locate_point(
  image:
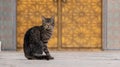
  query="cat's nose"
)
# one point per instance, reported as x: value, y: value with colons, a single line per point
x: 46, y: 26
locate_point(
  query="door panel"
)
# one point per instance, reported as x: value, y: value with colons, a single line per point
x: 81, y: 23
x: 29, y: 14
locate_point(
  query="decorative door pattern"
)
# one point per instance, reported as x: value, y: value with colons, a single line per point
x: 29, y: 14
x: 81, y: 23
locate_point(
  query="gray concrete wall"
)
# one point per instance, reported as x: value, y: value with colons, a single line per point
x: 8, y: 24
x: 111, y: 24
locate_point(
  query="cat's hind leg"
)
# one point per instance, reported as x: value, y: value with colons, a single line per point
x: 28, y: 51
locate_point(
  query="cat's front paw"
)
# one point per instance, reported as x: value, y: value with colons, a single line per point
x: 50, y: 58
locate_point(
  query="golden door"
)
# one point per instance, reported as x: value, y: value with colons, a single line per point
x: 78, y: 22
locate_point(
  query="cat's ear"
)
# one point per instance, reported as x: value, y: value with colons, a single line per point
x: 53, y: 17
x: 52, y: 20
x: 43, y: 18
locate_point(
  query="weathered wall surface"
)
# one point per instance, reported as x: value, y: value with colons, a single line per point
x: 111, y: 24
x: 8, y: 24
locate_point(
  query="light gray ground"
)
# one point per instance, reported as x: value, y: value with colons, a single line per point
x: 63, y: 59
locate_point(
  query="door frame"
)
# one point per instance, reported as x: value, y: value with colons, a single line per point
x: 59, y: 28
x: 104, y: 24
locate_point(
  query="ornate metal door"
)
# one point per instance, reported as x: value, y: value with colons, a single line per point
x: 29, y: 14
x: 78, y: 22
x: 81, y: 23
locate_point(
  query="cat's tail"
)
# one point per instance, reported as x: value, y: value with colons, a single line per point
x: 42, y: 57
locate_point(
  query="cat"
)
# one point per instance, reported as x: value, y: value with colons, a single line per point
x: 36, y: 40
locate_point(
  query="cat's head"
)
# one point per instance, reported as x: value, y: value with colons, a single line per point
x: 48, y: 23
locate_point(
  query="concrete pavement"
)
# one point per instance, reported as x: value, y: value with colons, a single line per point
x: 63, y: 59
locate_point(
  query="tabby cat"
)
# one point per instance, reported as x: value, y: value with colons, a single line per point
x: 36, y: 40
